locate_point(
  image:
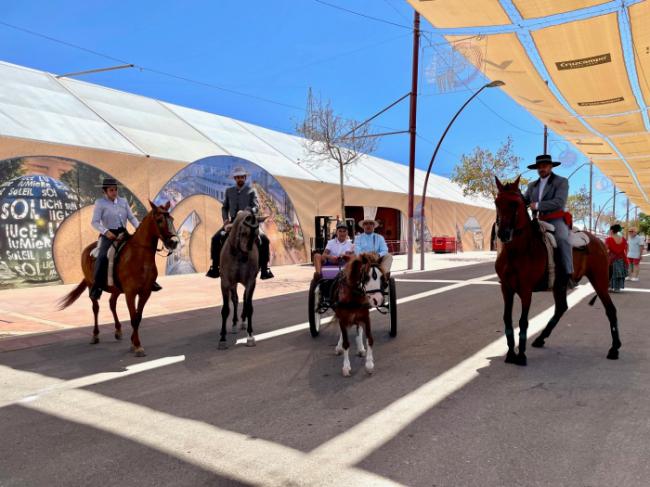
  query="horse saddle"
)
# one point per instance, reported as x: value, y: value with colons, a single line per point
x: 113, y: 256
x: 578, y: 240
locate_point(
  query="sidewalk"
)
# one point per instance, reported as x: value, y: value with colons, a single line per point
x: 29, y: 316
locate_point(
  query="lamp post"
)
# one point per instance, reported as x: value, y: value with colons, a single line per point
x: 492, y: 84
x: 576, y: 169
x: 604, y: 205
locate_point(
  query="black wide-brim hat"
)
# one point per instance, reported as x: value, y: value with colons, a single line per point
x: 109, y: 182
x: 543, y: 159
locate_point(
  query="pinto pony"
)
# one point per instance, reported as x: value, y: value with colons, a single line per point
x: 521, y: 267
x: 359, y: 287
x: 240, y: 264
x: 136, y: 272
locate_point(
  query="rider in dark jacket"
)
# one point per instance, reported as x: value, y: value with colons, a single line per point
x: 237, y: 198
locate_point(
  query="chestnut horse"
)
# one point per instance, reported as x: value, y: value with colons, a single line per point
x: 136, y: 272
x: 521, y: 267
x: 358, y: 287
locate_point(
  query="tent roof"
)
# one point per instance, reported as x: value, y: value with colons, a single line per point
x: 598, y: 79
x: 37, y: 105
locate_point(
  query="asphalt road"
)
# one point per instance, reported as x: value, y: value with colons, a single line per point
x: 441, y: 409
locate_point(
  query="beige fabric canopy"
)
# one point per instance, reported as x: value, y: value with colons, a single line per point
x: 598, y: 73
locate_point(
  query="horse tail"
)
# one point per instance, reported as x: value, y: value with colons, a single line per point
x: 73, y: 295
x: 593, y: 300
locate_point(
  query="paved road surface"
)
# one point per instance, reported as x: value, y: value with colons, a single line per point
x: 441, y: 409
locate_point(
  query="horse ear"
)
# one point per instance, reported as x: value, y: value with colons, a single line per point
x: 153, y: 206
x: 385, y: 263
x: 166, y: 206
x: 499, y: 184
x: 516, y: 183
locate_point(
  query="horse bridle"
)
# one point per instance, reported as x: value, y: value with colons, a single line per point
x: 167, y: 218
x: 517, y: 229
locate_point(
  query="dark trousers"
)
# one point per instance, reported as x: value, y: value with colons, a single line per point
x: 101, y: 264
x: 219, y: 238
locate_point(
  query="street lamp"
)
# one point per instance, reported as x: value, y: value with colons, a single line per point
x: 603, y: 207
x: 492, y: 84
x: 576, y: 169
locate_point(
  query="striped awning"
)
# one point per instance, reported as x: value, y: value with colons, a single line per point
x: 582, y: 67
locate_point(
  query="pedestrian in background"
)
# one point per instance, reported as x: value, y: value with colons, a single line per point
x: 618, y: 264
x: 635, y: 245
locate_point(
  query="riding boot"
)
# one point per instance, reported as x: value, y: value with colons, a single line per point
x: 264, y: 251
x: 156, y: 287
x: 215, y: 253
x: 100, y: 271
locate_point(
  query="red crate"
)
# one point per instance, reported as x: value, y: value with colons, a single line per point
x: 443, y: 245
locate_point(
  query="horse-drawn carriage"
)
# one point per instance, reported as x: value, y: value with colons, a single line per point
x: 320, y: 299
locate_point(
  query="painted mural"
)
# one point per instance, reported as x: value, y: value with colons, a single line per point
x: 472, y: 226
x: 37, y: 194
x: 211, y: 177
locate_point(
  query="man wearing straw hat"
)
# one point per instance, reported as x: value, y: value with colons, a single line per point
x: 369, y: 241
x: 110, y: 215
x: 239, y: 197
x: 548, y: 196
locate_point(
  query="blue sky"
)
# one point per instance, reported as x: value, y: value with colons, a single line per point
x: 275, y: 50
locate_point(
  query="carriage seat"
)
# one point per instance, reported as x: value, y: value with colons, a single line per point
x: 330, y: 271
x: 577, y: 239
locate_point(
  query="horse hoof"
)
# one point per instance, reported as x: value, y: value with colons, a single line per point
x: 538, y: 342
x: 94, y: 340
x: 612, y: 354
x: 361, y: 353
x: 346, y: 371
x: 222, y: 346
x: 242, y: 327
x: 521, y: 360
x: 139, y: 352
x: 250, y: 342
x: 370, y: 368
x: 511, y: 358
x: 118, y: 335
x: 234, y: 330
x: 338, y: 351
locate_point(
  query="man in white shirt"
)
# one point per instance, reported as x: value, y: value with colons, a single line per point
x: 337, y: 250
x: 635, y: 249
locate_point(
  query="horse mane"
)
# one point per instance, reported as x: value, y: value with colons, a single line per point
x: 234, y: 231
x: 352, y: 272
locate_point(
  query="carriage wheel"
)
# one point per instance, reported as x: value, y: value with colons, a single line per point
x: 392, y: 307
x: 314, y: 315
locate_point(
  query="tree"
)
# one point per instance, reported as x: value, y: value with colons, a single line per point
x: 475, y: 172
x: 578, y: 205
x: 330, y: 138
x: 644, y: 224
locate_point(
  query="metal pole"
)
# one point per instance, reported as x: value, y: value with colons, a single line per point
x: 591, y: 194
x: 412, y: 130
x: 614, y: 205
x: 433, y: 158
x: 545, y: 133
x: 91, y: 71
x: 627, y: 214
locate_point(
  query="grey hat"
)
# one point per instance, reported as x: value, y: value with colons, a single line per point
x: 341, y: 224
x: 239, y: 171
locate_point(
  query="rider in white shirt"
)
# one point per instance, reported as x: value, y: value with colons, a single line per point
x: 337, y: 250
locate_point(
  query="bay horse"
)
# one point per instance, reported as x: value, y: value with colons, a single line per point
x: 358, y: 287
x: 521, y: 267
x: 135, y: 272
x: 240, y: 265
